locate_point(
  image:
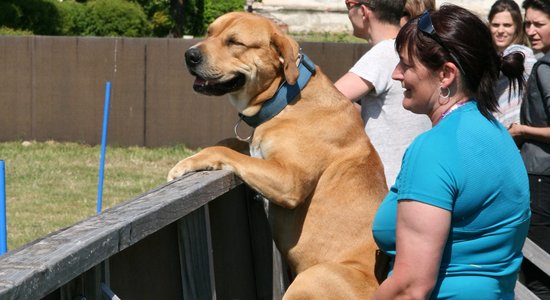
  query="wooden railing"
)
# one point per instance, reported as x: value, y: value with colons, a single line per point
x: 204, y: 236
x: 538, y: 257
x: 199, y: 237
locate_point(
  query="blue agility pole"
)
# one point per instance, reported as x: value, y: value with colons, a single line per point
x: 103, y: 145
x: 3, y: 227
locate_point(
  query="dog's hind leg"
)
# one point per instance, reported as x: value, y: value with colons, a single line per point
x: 330, y: 281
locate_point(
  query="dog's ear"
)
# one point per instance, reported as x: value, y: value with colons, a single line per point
x: 288, y: 49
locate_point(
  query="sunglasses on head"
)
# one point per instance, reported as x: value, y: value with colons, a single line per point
x: 425, y: 25
x: 351, y: 4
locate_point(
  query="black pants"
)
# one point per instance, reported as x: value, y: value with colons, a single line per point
x: 539, y: 232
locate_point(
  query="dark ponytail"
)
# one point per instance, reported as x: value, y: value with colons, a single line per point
x: 512, y: 66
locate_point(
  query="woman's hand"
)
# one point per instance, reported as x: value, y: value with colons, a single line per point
x: 517, y: 132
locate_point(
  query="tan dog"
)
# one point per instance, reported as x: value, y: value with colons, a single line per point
x: 312, y: 160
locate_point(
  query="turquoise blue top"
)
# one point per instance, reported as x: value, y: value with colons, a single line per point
x: 470, y: 166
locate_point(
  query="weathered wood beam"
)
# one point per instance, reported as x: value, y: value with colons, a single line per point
x: 44, y: 265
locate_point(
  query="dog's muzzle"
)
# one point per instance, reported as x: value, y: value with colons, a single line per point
x: 205, y: 82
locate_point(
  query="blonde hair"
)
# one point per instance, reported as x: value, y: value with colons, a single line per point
x: 414, y: 8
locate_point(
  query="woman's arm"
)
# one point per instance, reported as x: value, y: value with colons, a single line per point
x: 353, y: 86
x: 422, y: 231
x: 521, y: 132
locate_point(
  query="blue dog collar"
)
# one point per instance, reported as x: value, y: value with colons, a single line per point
x: 284, y: 95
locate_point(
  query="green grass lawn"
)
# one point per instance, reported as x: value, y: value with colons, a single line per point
x: 53, y: 185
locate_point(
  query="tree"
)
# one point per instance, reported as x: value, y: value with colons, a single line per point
x: 135, y: 18
x: 38, y: 16
x: 176, y: 11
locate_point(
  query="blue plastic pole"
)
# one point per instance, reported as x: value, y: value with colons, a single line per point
x: 103, y: 146
x: 3, y: 227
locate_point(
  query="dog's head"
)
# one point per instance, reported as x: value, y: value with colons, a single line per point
x: 246, y: 56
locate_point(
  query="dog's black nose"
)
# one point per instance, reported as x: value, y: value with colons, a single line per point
x: 193, y: 57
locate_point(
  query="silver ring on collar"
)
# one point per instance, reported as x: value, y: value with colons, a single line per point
x: 236, y: 128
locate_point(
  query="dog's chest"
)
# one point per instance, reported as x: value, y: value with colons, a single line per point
x: 256, y: 151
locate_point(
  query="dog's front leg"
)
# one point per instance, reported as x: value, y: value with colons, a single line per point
x: 286, y: 185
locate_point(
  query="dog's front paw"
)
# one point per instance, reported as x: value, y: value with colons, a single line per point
x: 178, y: 170
x: 207, y: 159
x: 197, y: 162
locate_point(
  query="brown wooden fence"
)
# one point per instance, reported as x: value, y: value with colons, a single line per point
x: 54, y: 87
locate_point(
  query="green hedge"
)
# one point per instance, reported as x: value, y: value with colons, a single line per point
x: 10, y: 31
x: 97, y: 18
x: 200, y: 13
x: 74, y: 17
x: 38, y: 16
x: 105, y: 18
x: 158, y: 15
x: 216, y: 8
x: 132, y: 18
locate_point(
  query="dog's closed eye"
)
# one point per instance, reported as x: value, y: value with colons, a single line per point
x: 233, y: 42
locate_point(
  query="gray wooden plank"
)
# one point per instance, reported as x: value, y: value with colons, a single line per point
x: 40, y: 267
x: 523, y: 293
x: 148, y: 269
x: 281, y: 280
x: 235, y: 277
x: 537, y: 256
x: 196, y: 255
x: 263, y: 250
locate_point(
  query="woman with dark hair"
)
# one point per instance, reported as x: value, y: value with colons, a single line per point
x: 533, y: 138
x: 506, y: 25
x: 456, y: 219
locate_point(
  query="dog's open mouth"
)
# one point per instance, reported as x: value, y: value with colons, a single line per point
x: 217, y: 88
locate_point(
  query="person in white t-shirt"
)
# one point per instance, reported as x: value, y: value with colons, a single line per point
x: 390, y: 127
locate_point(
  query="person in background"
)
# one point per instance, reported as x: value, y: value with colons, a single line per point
x: 455, y: 221
x: 506, y: 25
x: 390, y: 127
x: 533, y: 139
x: 414, y: 8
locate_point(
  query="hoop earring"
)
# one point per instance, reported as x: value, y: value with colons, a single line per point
x: 446, y: 96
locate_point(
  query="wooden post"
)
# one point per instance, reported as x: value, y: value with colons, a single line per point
x: 195, y: 248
